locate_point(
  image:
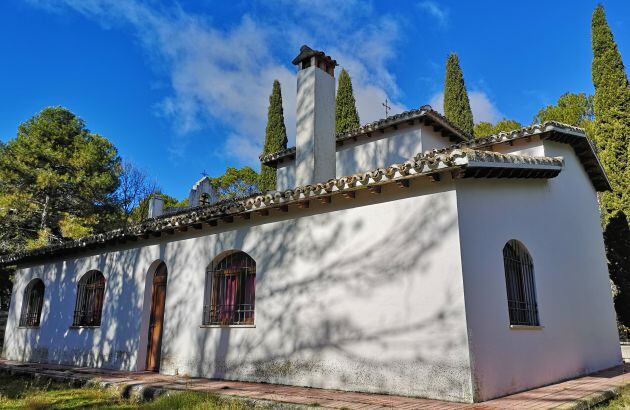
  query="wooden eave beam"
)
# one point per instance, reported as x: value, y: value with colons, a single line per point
x: 324, y: 199
x: 349, y: 194
x: 303, y: 204
x: 403, y: 183
x: 284, y: 208
x: 434, y: 177
x: 375, y: 189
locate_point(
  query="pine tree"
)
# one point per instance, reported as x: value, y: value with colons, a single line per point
x: 275, y: 136
x: 484, y: 129
x: 572, y: 109
x: 58, y: 180
x: 612, y: 115
x: 456, y: 103
x: 346, y: 115
x: 611, y: 131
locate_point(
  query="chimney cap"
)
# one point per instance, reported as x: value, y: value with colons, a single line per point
x: 307, y: 52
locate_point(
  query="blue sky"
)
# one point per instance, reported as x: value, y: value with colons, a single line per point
x: 183, y: 87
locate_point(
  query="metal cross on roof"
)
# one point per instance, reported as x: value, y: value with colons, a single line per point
x: 387, y: 108
x: 204, y: 173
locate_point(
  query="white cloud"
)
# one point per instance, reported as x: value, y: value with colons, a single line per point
x: 482, y: 108
x: 242, y: 148
x: 226, y: 74
x: 434, y: 9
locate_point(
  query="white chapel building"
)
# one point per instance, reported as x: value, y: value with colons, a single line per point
x: 403, y: 257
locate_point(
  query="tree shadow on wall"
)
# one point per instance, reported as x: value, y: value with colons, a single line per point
x: 300, y: 311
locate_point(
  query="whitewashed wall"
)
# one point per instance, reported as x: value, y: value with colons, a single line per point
x: 382, y: 150
x: 366, y: 298
x: 558, y: 221
x: 285, y: 175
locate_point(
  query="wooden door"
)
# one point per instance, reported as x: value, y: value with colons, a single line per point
x: 156, y: 323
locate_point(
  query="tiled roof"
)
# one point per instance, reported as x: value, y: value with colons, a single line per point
x: 424, y: 113
x: 307, y: 52
x: 552, y: 131
x: 463, y: 163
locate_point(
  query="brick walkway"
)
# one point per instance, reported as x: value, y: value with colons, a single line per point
x: 577, y: 393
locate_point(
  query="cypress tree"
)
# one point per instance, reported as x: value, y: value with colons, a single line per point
x: 346, y: 115
x: 275, y: 136
x: 611, y: 131
x: 456, y: 103
x: 611, y: 106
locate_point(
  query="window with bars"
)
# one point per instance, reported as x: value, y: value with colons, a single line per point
x: 32, y: 303
x: 231, y: 287
x: 89, y: 304
x: 519, y: 282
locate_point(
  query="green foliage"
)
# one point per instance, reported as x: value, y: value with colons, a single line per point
x: 456, y: 103
x: 183, y: 202
x: 484, y: 129
x: 617, y: 239
x: 26, y: 393
x: 572, y: 109
x: 57, y: 180
x: 74, y: 227
x: 198, y: 401
x: 346, y: 115
x: 275, y: 136
x: 611, y: 132
x: 141, y: 211
x: 237, y: 183
x: 611, y: 105
x: 506, y: 125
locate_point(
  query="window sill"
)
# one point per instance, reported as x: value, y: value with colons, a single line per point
x: 526, y: 327
x: 84, y: 327
x: 228, y: 326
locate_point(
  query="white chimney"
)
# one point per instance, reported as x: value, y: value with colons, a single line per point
x: 315, y: 120
x: 156, y: 206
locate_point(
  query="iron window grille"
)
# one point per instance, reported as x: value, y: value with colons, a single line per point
x: 89, y: 304
x: 32, y: 303
x: 232, y: 291
x: 519, y: 280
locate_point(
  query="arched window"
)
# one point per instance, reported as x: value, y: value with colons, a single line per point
x: 519, y: 282
x: 32, y: 303
x: 231, y: 287
x: 89, y: 305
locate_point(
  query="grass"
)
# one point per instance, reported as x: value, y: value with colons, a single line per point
x: 621, y: 402
x: 26, y: 393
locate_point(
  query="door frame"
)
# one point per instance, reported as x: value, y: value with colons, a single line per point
x: 158, y: 279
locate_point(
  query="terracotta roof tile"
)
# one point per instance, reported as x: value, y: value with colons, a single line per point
x: 465, y: 162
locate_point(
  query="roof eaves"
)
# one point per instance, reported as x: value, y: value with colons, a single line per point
x: 427, y: 164
x: 551, y: 130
